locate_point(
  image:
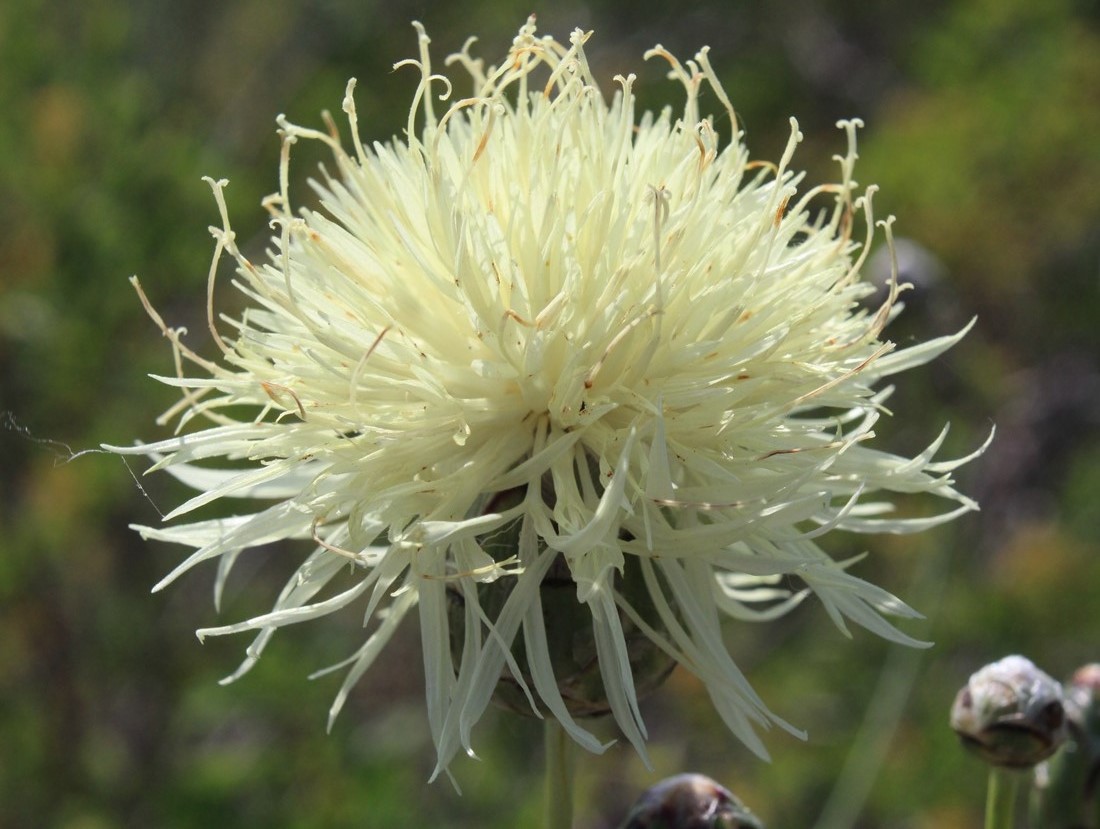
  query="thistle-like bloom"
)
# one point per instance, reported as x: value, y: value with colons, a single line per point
x: 615, y: 341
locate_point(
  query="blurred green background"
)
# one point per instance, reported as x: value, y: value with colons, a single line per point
x: 983, y: 128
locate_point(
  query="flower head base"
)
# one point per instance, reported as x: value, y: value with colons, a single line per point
x: 650, y: 341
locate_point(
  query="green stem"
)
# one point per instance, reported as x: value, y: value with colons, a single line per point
x: 560, y: 765
x: 897, y: 678
x: 1000, y: 801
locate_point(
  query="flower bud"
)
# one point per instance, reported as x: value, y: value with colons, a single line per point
x: 1010, y: 713
x: 690, y: 801
x: 1083, y: 706
x: 1068, y: 790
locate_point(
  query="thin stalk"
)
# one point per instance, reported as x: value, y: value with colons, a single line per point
x: 560, y: 766
x: 1000, y: 800
x: 885, y: 710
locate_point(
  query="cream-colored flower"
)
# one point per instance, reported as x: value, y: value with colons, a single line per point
x: 651, y: 345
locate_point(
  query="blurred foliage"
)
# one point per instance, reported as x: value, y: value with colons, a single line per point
x: 983, y: 118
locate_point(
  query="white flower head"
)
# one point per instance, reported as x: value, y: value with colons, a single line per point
x: 616, y: 339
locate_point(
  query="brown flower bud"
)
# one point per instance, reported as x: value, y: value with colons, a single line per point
x: 1010, y: 713
x: 1069, y: 791
x: 690, y: 801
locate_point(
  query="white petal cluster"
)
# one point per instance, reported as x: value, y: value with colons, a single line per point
x: 658, y: 343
